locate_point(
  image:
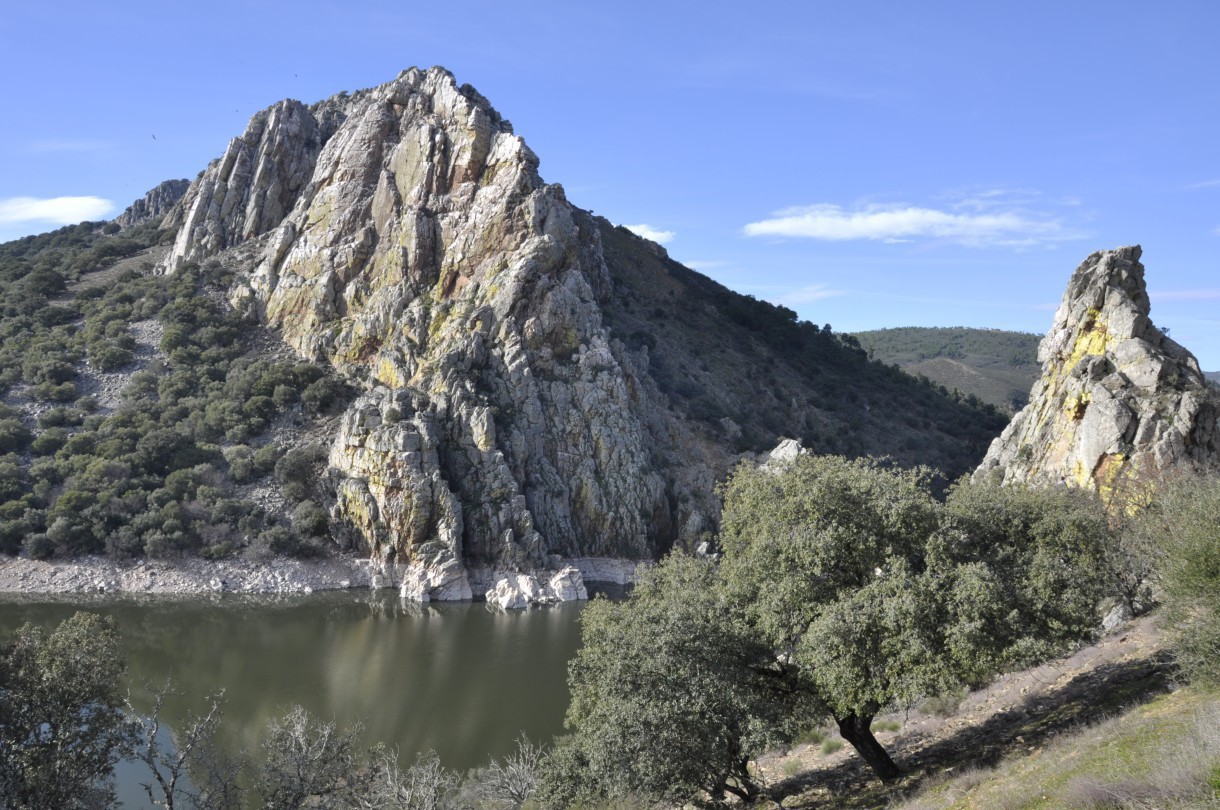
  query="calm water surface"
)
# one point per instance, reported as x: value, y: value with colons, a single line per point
x: 463, y: 680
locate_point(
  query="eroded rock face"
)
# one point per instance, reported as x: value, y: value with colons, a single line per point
x: 252, y: 187
x: 155, y: 204
x: 403, y: 235
x: 411, y: 243
x: 1117, y: 400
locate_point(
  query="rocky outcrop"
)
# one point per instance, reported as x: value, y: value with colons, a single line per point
x: 412, y: 245
x: 403, y: 235
x: 515, y: 591
x: 1118, y: 399
x: 155, y: 204
x: 252, y: 187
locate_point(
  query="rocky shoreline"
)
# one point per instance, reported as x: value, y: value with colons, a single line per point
x: 279, y: 576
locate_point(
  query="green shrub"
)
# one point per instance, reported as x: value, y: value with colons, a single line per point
x: 53, y: 392
x: 1186, y: 518
x: 49, y: 441
x: 266, y: 457
x: 39, y: 547
x: 14, y: 436
x: 310, y: 520
x: 295, y: 471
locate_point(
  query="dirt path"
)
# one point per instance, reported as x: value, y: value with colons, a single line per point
x: 1018, y: 713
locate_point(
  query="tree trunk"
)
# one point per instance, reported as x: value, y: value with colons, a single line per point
x: 856, y: 730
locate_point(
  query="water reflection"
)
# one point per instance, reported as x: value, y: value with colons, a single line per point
x: 461, y: 679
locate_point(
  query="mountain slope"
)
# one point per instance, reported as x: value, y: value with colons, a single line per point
x: 996, y: 366
x: 536, y: 382
x: 532, y: 382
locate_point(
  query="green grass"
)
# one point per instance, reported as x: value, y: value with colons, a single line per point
x: 813, y: 736
x: 1163, y: 754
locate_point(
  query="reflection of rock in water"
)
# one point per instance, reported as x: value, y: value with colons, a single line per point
x: 458, y: 678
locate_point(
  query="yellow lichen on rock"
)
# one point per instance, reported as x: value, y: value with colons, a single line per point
x: 1094, y: 339
x: 1076, y: 405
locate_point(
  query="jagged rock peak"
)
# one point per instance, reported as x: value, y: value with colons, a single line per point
x: 1118, y: 399
x: 403, y: 235
x: 270, y: 168
x: 155, y: 204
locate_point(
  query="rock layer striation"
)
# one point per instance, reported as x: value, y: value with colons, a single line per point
x: 154, y: 205
x: 1118, y: 400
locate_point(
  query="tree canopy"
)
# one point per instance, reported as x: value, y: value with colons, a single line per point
x: 845, y: 589
x: 62, y: 727
x: 671, y: 695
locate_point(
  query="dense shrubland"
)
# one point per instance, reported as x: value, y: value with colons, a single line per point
x: 166, y: 470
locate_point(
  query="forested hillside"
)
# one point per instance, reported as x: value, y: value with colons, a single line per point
x: 996, y: 366
x: 139, y: 411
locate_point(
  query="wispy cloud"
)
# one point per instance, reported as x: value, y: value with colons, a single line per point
x: 808, y: 295
x: 1204, y: 184
x: 1207, y: 294
x: 54, y: 210
x: 977, y: 222
x: 648, y: 232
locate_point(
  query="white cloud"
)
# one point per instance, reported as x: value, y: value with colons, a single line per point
x: 55, y: 210
x: 904, y: 223
x: 648, y: 232
x: 808, y: 295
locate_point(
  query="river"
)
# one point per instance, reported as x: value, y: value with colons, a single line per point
x: 461, y: 679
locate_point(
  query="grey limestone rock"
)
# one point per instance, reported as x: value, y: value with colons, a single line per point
x: 1118, y: 401
x: 155, y: 204
x: 403, y: 235
x: 409, y: 241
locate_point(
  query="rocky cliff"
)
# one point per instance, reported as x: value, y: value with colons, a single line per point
x: 538, y: 383
x: 1117, y: 400
x: 155, y: 204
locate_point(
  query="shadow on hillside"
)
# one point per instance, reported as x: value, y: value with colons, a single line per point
x: 1087, y: 698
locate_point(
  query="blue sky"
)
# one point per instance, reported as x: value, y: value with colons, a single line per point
x: 868, y: 164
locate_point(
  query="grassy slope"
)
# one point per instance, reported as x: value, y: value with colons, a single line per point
x: 1165, y: 753
x: 996, y: 366
x: 1030, y: 734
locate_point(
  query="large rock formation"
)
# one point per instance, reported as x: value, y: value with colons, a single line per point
x: 1118, y: 399
x: 403, y: 235
x: 158, y: 202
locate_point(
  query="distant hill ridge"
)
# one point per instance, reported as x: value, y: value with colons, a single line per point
x: 995, y: 365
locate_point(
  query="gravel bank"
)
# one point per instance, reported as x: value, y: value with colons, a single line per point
x: 196, y: 576
x: 187, y: 576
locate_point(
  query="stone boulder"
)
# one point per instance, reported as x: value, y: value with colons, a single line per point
x: 516, y: 591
